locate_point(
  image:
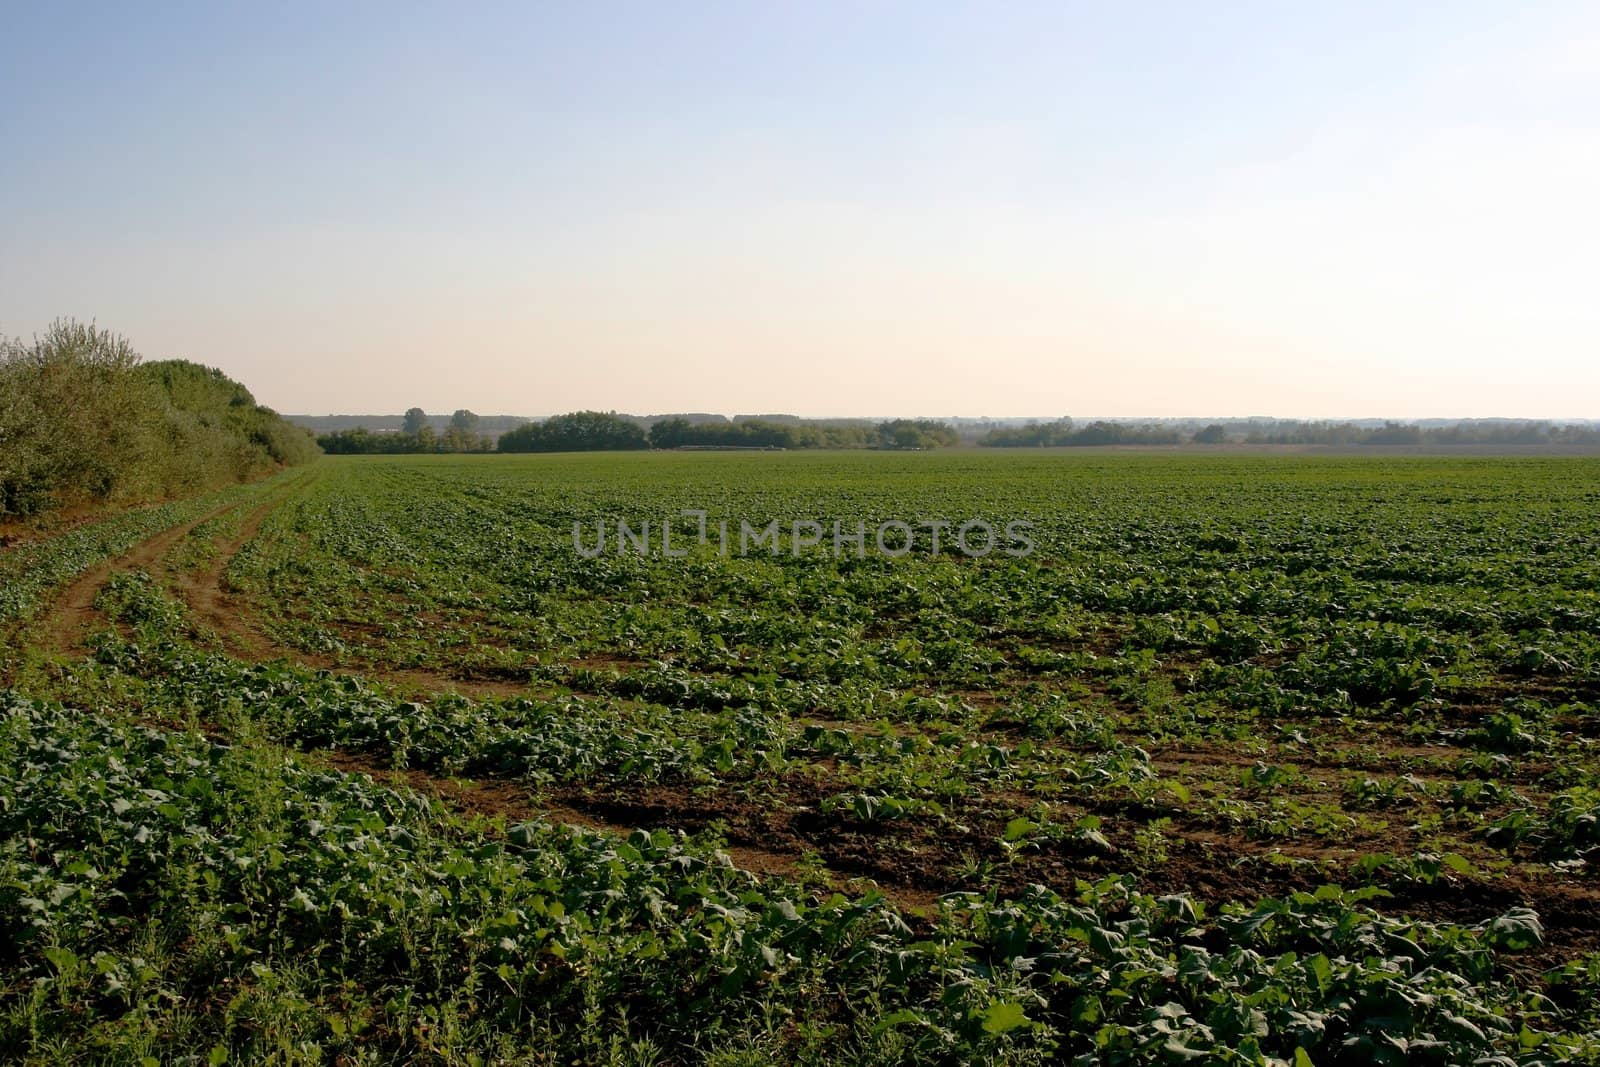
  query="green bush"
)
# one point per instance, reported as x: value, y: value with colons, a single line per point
x: 82, y: 420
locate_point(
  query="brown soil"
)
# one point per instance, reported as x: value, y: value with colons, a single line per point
x: 67, y: 622
x: 914, y: 862
x: 212, y: 606
x: 513, y: 803
x: 220, y: 610
x: 600, y: 662
x: 216, y: 608
x: 917, y: 860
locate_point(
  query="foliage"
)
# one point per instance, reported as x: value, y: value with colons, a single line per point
x: 680, y: 432
x: 82, y: 420
x: 362, y: 442
x: 308, y: 914
x: 915, y: 433
x: 580, y: 431
x: 1063, y: 432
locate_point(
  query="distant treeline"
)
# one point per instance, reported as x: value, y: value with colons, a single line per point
x: 1486, y: 432
x: 761, y: 433
x: 591, y: 431
x: 418, y: 433
x: 83, y: 420
x: 322, y: 425
x: 585, y: 431
x: 600, y: 431
x: 1063, y: 433
x: 580, y: 431
x: 361, y: 441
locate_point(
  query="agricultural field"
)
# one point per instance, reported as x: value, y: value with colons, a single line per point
x: 1251, y: 759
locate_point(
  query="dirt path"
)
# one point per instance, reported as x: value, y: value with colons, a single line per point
x: 67, y: 621
x: 211, y: 606
x: 218, y: 610
x: 215, y: 607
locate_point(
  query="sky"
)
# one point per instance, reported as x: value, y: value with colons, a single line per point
x: 1161, y: 209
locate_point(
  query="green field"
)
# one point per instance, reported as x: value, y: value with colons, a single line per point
x: 1252, y: 759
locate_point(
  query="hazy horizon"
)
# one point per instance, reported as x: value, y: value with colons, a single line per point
x: 445, y: 412
x: 823, y: 210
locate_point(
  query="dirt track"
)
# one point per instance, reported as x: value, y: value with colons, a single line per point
x: 212, y: 607
x: 215, y: 608
x: 67, y: 621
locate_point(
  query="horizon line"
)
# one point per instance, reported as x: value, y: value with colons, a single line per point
x: 443, y: 413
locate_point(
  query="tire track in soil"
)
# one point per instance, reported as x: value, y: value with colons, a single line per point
x: 211, y: 606
x: 67, y: 621
x: 220, y: 611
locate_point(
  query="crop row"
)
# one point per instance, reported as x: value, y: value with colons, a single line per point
x: 169, y: 892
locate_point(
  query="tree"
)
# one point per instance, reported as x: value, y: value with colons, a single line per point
x: 1215, y: 434
x: 675, y: 433
x: 463, y: 421
x: 579, y: 431
x: 917, y: 433
x: 78, y: 420
x: 748, y: 433
x: 416, y: 419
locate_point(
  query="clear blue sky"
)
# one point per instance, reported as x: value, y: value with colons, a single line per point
x: 928, y: 208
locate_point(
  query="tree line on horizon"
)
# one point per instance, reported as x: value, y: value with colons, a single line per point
x: 590, y: 431
x: 418, y: 435
x: 1063, y: 433
x: 85, y: 421
x: 602, y: 431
